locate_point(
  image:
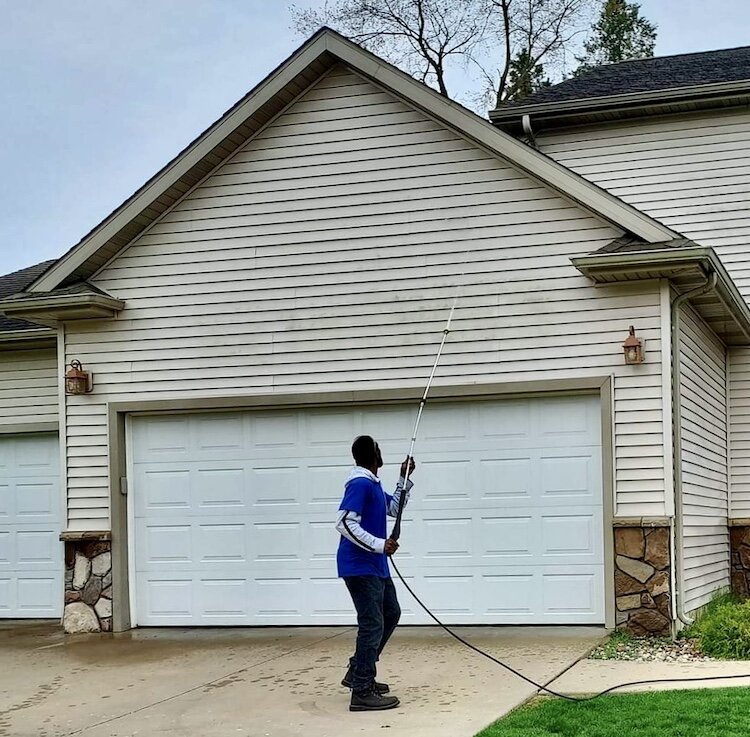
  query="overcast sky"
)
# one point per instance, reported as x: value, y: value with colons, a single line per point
x: 97, y: 95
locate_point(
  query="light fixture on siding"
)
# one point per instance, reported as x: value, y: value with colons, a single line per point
x: 78, y: 381
x: 633, y: 348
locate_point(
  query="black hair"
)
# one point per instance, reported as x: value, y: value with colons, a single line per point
x: 365, y: 452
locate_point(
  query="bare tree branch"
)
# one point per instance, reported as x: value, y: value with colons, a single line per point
x: 426, y: 37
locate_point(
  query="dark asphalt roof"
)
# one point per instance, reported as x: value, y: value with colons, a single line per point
x: 647, y: 75
x: 16, y: 282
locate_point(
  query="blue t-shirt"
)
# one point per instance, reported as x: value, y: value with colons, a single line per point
x: 367, y: 499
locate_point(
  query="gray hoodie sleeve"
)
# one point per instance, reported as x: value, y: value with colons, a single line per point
x: 393, y: 506
x: 348, y: 524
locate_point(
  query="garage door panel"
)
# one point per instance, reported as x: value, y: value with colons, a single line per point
x: 165, y: 490
x: 164, y: 438
x: 512, y: 538
x: 36, y: 501
x: 329, y: 601
x: 504, y: 525
x: 328, y: 429
x: 574, y: 475
x: 570, y: 593
x: 574, y: 537
x: 502, y: 480
x: 323, y: 483
x: 275, y: 486
x: 6, y: 501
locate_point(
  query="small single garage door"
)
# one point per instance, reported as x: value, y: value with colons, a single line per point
x: 233, y: 513
x: 31, y: 554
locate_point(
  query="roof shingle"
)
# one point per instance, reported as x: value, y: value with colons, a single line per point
x: 13, y: 284
x: 647, y: 75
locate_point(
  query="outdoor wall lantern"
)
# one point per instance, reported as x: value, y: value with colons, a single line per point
x: 78, y: 381
x: 633, y: 348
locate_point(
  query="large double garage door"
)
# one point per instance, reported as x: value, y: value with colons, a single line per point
x: 232, y: 514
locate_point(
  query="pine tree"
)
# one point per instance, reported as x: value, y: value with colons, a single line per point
x: 619, y: 34
x: 525, y: 76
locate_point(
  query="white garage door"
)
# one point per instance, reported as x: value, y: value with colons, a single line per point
x: 31, y: 554
x: 233, y: 513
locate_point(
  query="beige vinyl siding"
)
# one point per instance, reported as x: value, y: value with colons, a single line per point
x: 703, y: 402
x: 28, y: 386
x: 692, y: 172
x: 325, y: 256
x: 739, y: 431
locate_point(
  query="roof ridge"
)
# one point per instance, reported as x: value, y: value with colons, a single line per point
x: 671, y: 56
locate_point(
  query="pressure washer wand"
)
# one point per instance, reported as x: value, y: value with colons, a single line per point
x: 396, y: 532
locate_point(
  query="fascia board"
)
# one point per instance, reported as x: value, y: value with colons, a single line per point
x: 536, y: 164
x: 600, y: 104
x: 178, y: 167
x: 12, y: 307
x: 619, y: 261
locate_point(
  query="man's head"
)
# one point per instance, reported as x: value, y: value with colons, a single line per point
x: 366, y: 453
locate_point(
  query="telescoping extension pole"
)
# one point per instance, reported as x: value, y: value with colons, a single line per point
x: 396, y: 532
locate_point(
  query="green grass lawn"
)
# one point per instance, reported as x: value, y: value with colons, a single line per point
x: 706, y: 713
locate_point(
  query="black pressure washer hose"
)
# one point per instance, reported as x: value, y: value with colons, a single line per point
x: 539, y: 686
x: 396, y: 533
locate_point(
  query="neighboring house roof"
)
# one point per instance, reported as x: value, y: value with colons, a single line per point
x: 17, y: 282
x: 701, y: 79
x: 321, y: 52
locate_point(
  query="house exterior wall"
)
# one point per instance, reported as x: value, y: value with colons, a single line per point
x: 239, y: 290
x: 703, y: 400
x: 28, y: 388
x: 691, y: 173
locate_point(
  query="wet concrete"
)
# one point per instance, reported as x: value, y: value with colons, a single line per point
x: 264, y: 682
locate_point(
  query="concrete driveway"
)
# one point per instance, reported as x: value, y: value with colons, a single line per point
x: 264, y: 682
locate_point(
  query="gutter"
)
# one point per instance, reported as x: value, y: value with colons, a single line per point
x: 678, y: 527
x: 17, y: 336
x: 602, y: 104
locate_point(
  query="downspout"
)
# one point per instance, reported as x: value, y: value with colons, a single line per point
x: 528, y: 130
x: 678, y: 536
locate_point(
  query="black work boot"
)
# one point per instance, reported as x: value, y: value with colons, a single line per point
x: 381, y: 688
x: 372, y: 701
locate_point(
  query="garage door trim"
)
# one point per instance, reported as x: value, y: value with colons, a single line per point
x: 120, y: 412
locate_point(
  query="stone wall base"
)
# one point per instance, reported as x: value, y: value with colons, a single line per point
x: 739, y: 540
x: 642, y: 580
x: 88, y: 586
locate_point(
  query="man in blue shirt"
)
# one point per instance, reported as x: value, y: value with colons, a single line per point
x: 362, y: 561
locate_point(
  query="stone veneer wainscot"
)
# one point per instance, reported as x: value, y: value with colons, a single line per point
x: 88, y: 583
x: 643, y: 576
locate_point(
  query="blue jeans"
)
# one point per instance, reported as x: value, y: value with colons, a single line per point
x: 378, y: 613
